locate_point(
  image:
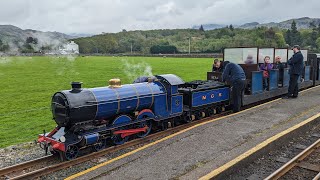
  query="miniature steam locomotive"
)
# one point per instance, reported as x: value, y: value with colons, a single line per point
x: 105, y: 116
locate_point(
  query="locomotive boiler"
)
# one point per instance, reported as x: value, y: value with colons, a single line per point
x: 95, y: 105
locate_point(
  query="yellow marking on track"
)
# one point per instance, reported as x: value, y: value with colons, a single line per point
x: 168, y: 137
x: 231, y: 163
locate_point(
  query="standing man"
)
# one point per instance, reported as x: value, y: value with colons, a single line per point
x: 295, y: 70
x: 217, y: 66
x: 234, y: 75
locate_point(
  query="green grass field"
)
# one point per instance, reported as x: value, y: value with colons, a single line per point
x: 27, y: 84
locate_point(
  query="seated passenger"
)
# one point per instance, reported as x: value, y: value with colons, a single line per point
x: 249, y: 59
x: 217, y: 66
x: 266, y: 67
x: 280, y: 66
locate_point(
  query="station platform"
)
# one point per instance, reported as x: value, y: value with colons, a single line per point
x: 203, y: 148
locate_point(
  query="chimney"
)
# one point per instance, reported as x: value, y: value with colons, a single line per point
x: 76, y: 86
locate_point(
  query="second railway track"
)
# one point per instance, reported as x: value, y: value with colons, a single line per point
x: 301, y: 161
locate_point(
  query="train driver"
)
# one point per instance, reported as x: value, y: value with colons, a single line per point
x: 235, y: 76
x: 217, y: 66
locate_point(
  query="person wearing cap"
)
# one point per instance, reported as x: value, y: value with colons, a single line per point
x: 295, y: 70
x: 234, y: 75
x: 217, y: 66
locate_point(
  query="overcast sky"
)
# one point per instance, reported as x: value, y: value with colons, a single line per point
x: 96, y: 16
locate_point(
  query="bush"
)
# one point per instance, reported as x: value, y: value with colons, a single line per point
x: 163, y: 49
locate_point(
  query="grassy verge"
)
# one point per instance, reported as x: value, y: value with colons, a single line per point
x: 27, y: 84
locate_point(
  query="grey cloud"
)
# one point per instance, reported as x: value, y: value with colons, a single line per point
x: 96, y: 16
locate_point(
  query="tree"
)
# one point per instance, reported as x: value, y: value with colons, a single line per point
x: 313, y: 39
x: 295, y: 34
x: 288, y: 37
x: 280, y: 40
x: 270, y: 33
x: 259, y: 42
x: 312, y: 25
x: 3, y: 46
x: 163, y: 49
x: 31, y: 40
x: 231, y: 27
x: 294, y: 26
x: 318, y: 43
x: 29, y: 46
x: 201, y: 28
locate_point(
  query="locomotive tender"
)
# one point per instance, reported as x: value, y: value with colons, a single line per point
x: 99, y: 117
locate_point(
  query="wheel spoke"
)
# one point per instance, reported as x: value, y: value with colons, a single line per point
x: 101, y: 144
x: 144, y: 124
x: 72, y: 152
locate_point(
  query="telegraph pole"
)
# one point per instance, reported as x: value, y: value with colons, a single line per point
x: 189, y: 44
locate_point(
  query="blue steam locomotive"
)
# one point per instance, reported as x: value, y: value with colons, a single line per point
x: 99, y: 117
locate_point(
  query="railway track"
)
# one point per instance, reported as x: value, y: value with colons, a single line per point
x: 301, y: 162
x: 6, y: 172
x: 39, y: 167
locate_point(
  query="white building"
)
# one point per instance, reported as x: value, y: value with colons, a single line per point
x: 69, y: 48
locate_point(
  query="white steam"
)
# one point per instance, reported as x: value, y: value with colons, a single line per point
x: 5, y: 60
x: 49, y: 41
x: 71, y: 57
x: 134, y: 70
x: 46, y: 40
x: 65, y: 64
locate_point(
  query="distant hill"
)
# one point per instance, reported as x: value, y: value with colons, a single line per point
x: 79, y: 35
x: 247, y: 25
x: 209, y: 26
x: 15, y: 37
x: 302, y: 23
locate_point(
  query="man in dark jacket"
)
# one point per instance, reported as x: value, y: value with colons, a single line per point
x: 217, y: 66
x: 295, y: 70
x: 234, y: 74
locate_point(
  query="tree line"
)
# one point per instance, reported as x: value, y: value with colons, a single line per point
x: 201, y: 41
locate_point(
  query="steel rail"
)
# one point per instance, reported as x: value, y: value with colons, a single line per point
x: 24, y: 165
x: 294, y: 162
x: 317, y: 177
